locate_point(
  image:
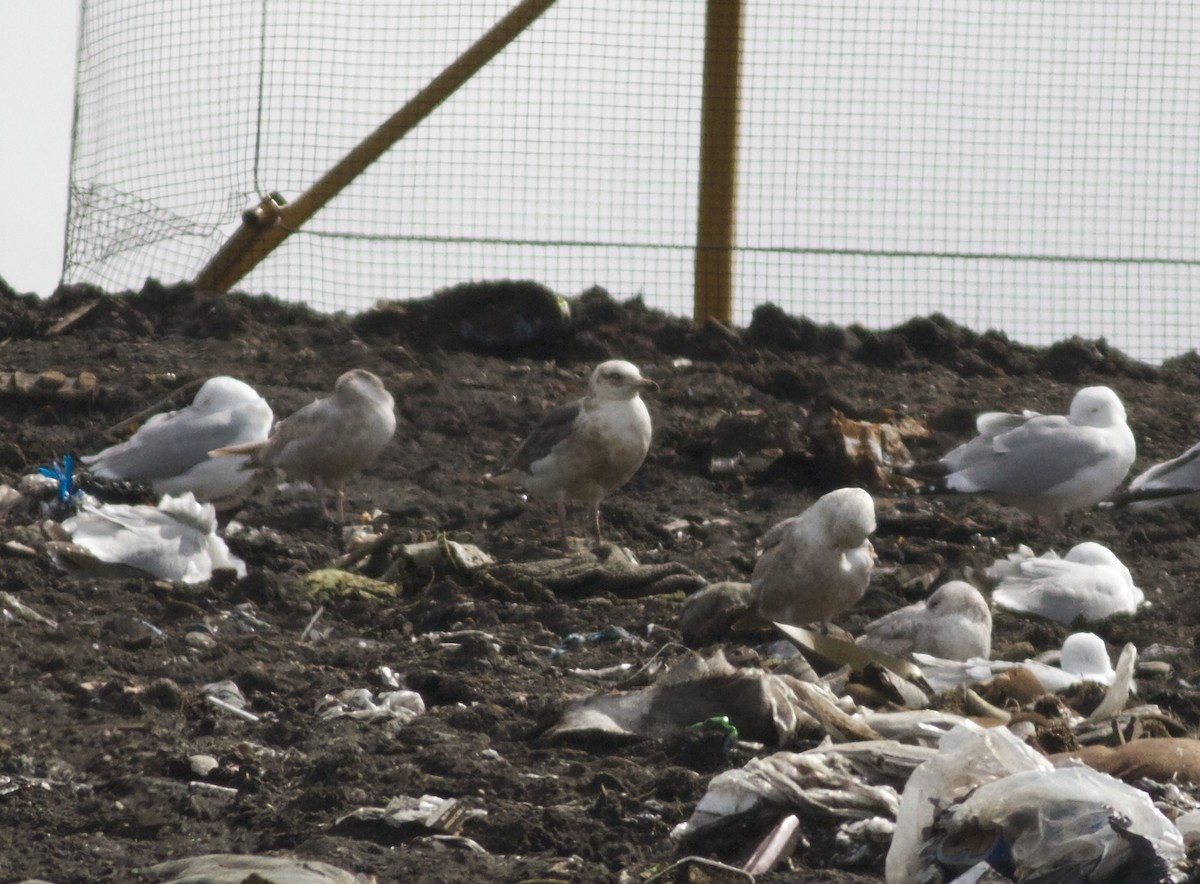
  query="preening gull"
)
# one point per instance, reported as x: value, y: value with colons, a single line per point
x: 330, y: 440
x: 1175, y: 481
x: 815, y: 565
x: 585, y: 450
x: 1045, y: 465
x: 170, y: 451
x: 176, y: 540
x: 954, y: 623
x: 1088, y: 582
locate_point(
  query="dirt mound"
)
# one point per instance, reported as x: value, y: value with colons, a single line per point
x: 100, y: 715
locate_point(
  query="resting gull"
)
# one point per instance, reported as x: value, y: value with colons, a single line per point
x: 1175, y: 481
x: 954, y: 623
x: 170, y: 451
x: 815, y: 565
x: 585, y: 450
x: 330, y: 440
x: 1045, y: 465
x: 1089, y: 582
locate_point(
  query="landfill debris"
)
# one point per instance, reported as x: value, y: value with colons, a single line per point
x: 853, y: 781
x: 987, y: 796
x: 604, y: 568
x: 228, y: 868
x: 396, y: 708
x: 14, y: 608
x: 864, y: 453
x: 1163, y: 759
x: 49, y: 385
x: 176, y: 540
x: 226, y: 695
x: 328, y: 584
x: 708, y: 615
x: 445, y: 815
x: 764, y: 707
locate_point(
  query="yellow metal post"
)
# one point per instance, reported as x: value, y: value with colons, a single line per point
x: 718, y: 161
x: 266, y: 226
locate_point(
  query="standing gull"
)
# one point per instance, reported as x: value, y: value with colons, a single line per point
x: 585, y: 450
x: 330, y: 440
x: 170, y: 451
x: 954, y: 623
x: 815, y: 565
x: 1045, y: 465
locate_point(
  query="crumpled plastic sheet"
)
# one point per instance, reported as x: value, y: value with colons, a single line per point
x: 852, y: 781
x: 988, y: 796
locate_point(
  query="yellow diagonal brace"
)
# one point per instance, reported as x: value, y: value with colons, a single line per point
x: 271, y: 222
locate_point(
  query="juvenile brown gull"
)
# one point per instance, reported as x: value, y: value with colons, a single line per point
x: 586, y: 449
x: 330, y: 440
x: 954, y: 623
x: 815, y: 565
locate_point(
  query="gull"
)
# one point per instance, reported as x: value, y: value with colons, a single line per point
x: 585, y: 450
x: 170, y: 451
x: 1084, y: 657
x: 176, y: 540
x: 1175, y: 481
x: 1089, y: 582
x: 954, y: 623
x: 815, y: 565
x: 329, y: 440
x: 1045, y: 465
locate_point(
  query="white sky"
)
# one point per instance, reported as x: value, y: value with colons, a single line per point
x: 37, y: 68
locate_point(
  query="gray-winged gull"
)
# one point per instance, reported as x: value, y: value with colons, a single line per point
x: 815, y: 565
x: 1088, y: 582
x: 330, y: 440
x: 1045, y: 465
x: 170, y: 451
x: 586, y: 449
x: 1176, y: 481
x: 954, y: 623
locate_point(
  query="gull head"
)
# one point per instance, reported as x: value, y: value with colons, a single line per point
x: 1096, y: 407
x: 848, y: 515
x: 618, y: 379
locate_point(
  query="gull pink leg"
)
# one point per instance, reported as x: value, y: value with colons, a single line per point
x: 595, y: 516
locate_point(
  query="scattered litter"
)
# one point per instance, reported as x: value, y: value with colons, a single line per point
x: 328, y: 584
x: 851, y: 452
x: 176, y: 540
x: 987, y: 796
x: 609, y: 633
x: 228, y: 868
x: 228, y: 696
x: 856, y: 781
x: 445, y: 815
x: 14, y: 608
x: 1162, y: 759
x: 601, y: 569
x: 395, y: 707
x: 699, y: 870
x: 765, y: 708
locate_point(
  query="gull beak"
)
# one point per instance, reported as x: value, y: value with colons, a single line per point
x: 647, y: 384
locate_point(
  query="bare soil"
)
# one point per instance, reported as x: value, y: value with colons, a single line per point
x: 99, y: 716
